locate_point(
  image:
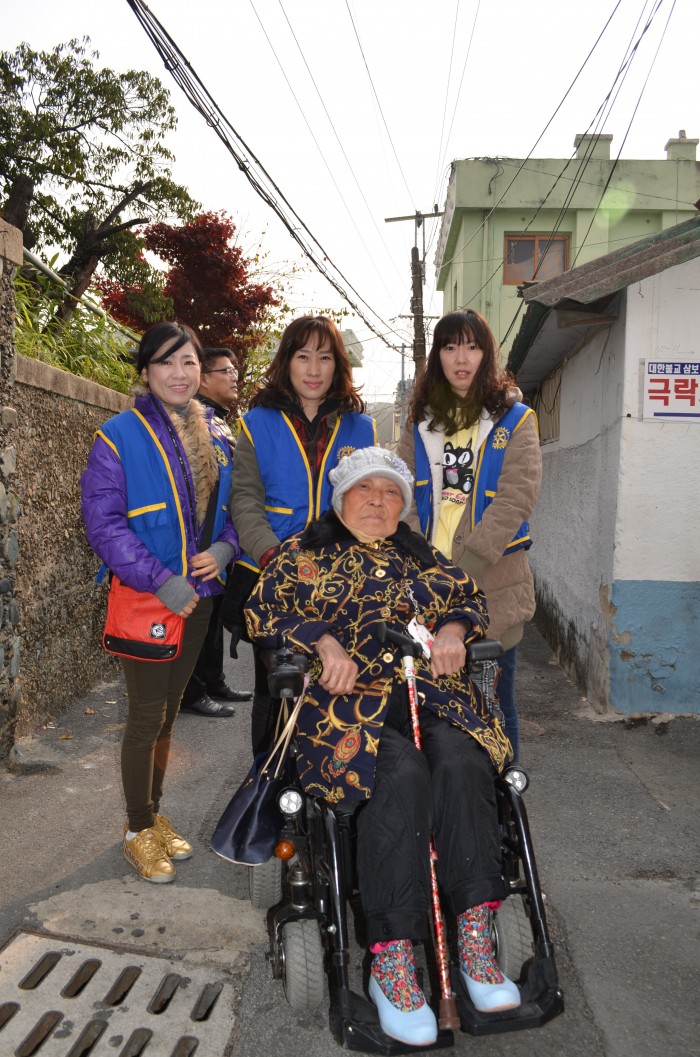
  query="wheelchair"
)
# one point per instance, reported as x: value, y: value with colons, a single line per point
x: 310, y: 882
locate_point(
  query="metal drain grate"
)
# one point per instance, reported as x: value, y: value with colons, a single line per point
x: 65, y: 999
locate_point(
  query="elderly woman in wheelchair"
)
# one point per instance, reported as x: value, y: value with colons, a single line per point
x: 329, y: 591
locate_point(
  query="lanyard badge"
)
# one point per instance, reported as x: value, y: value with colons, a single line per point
x: 420, y: 634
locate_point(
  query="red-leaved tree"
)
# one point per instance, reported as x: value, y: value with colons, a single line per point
x: 207, y: 284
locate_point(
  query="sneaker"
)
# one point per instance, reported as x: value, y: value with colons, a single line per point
x: 488, y: 988
x: 146, y: 853
x: 175, y: 845
x: 402, y: 1009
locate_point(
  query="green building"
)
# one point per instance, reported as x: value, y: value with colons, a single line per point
x: 509, y: 221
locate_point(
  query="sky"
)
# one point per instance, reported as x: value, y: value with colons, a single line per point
x: 356, y: 108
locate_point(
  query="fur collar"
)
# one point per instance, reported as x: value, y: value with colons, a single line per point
x: 329, y: 530
x: 193, y: 431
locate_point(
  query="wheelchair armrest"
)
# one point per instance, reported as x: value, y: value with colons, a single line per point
x: 484, y: 650
x: 285, y: 670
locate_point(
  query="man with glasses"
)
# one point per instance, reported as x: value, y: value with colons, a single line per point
x: 207, y: 693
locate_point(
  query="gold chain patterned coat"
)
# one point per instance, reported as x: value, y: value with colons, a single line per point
x: 325, y: 580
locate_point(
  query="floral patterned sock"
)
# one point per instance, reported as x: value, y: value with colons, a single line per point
x: 475, y: 948
x: 394, y: 969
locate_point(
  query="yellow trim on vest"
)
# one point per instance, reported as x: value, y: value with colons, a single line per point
x: 487, y: 491
x: 279, y: 509
x: 244, y: 429
x: 418, y: 483
x: 479, y: 463
x: 145, y: 509
x: 176, y: 497
x: 527, y: 414
x: 107, y: 441
x: 249, y: 565
x: 519, y: 542
x: 306, y: 464
x: 322, y: 471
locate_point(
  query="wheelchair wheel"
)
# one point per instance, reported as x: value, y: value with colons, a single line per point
x: 511, y: 934
x: 265, y: 883
x: 303, y: 964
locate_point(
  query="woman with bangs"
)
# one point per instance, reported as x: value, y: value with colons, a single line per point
x: 473, y: 448
x: 303, y: 419
x: 155, y: 505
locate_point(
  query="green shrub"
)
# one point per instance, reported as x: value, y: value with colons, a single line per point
x: 89, y: 345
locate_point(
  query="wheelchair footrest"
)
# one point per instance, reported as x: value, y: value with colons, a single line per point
x: 542, y: 1000
x: 359, y: 1030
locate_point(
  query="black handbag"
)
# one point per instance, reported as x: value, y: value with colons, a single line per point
x: 250, y: 827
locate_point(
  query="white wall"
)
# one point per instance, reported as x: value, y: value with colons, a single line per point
x: 659, y: 505
x: 616, y: 550
x: 574, y: 524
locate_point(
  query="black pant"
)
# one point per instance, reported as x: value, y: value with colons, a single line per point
x: 154, y: 691
x: 448, y: 789
x: 208, y: 672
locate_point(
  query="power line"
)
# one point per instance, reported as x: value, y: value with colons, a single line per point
x: 313, y: 136
x: 251, y: 167
x: 634, y: 113
x: 335, y: 133
x: 512, y: 163
x: 600, y: 116
x: 441, y: 158
x: 444, y: 109
x: 522, y: 164
x: 369, y: 75
x: 624, y: 68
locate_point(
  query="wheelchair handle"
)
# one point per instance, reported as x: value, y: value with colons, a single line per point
x: 408, y: 647
x: 477, y: 652
x: 286, y: 669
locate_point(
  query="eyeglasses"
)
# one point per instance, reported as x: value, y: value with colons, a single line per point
x: 230, y: 371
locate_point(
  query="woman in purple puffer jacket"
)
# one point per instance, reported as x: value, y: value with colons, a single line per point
x: 152, y: 474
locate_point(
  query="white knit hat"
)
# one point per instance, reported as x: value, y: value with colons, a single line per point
x: 371, y: 462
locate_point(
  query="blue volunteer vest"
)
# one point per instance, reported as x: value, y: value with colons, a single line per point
x: 154, y: 508
x: 488, y: 469
x: 291, y: 501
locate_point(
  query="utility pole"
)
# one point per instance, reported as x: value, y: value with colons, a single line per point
x: 417, y: 281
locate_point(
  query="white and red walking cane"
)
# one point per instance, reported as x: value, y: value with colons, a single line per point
x: 447, y: 1013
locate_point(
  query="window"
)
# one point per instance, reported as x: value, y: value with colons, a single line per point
x: 523, y: 253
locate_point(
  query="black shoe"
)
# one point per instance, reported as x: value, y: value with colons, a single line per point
x: 204, y: 706
x: 225, y: 693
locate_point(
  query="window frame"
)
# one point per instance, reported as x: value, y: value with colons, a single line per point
x: 536, y: 237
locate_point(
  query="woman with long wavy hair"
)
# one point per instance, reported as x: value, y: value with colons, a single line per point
x: 474, y: 450
x: 303, y: 419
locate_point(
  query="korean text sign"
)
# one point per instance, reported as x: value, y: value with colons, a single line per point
x: 672, y: 390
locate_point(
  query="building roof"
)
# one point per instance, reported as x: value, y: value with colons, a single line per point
x: 561, y: 311
x: 353, y: 347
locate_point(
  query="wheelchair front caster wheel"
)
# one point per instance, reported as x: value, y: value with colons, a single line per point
x: 302, y: 964
x: 265, y: 884
x: 511, y: 934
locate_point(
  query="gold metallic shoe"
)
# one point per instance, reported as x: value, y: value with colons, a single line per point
x: 175, y: 845
x: 146, y: 853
